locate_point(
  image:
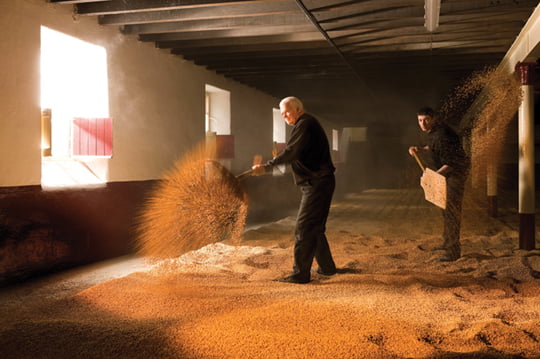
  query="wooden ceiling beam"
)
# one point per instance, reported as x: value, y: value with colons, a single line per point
x: 286, y: 36
x: 276, y: 52
x: 440, y: 60
x: 294, y: 70
x: 130, y: 6
x: 383, y: 13
x: 374, y: 25
x: 427, y: 38
x: 307, y: 39
x: 263, y: 64
x: 245, y: 23
x: 279, y: 7
x: 322, y: 6
x: 291, y: 74
x: 229, y: 33
x: 272, y: 55
x: 503, y: 43
x: 74, y: 1
x: 467, y: 6
x: 438, y: 55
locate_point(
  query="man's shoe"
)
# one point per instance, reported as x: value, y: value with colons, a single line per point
x: 328, y: 274
x: 293, y: 279
x: 448, y: 258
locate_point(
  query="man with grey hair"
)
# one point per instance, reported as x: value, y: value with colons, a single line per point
x: 308, y: 153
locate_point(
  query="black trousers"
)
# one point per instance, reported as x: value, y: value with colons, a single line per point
x: 310, y: 238
x: 455, y: 188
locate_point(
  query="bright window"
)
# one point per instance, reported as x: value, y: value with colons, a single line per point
x: 279, y: 139
x: 335, y: 140
x: 75, y: 99
x: 219, y: 140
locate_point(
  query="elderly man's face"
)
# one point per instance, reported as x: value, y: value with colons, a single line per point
x: 426, y: 122
x: 290, y: 115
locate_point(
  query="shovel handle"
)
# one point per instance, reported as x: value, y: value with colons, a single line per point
x: 418, y: 161
x: 244, y: 175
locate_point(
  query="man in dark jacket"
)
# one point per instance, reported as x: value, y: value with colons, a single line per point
x: 308, y: 153
x: 452, y: 162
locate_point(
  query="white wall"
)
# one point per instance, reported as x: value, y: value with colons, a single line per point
x: 156, y: 99
x: 20, y: 156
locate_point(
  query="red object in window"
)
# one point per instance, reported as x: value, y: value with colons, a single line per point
x: 92, y: 137
x: 224, y: 146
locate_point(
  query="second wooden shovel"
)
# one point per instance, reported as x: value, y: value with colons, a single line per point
x: 433, y: 184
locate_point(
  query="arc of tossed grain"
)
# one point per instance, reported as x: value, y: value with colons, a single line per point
x: 190, y: 208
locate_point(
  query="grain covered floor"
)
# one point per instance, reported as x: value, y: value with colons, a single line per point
x: 391, y: 299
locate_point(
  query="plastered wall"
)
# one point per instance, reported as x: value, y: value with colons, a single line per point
x: 156, y: 99
x: 19, y: 89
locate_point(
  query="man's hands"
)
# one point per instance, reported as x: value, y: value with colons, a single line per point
x: 258, y: 170
x: 413, y: 150
x: 417, y: 150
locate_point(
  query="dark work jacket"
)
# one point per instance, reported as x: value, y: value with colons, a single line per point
x: 307, y: 151
x: 447, y: 149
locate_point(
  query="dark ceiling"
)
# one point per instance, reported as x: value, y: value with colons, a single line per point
x: 312, y: 48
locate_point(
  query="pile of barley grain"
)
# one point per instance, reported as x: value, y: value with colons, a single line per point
x: 198, y: 202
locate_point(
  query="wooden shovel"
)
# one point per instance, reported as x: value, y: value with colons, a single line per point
x: 434, y: 185
x: 257, y: 160
x: 244, y: 175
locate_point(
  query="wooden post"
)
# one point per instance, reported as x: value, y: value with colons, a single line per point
x: 526, y: 157
x: 492, y: 174
x: 46, y: 132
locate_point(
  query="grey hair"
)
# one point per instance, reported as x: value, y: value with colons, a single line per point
x: 295, y: 103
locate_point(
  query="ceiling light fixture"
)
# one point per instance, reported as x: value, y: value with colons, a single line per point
x: 432, y: 8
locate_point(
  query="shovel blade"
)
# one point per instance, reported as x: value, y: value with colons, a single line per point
x: 434, y: 185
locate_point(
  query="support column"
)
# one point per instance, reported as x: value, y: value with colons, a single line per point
x: 526, y: 158
x: 492, y: 174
